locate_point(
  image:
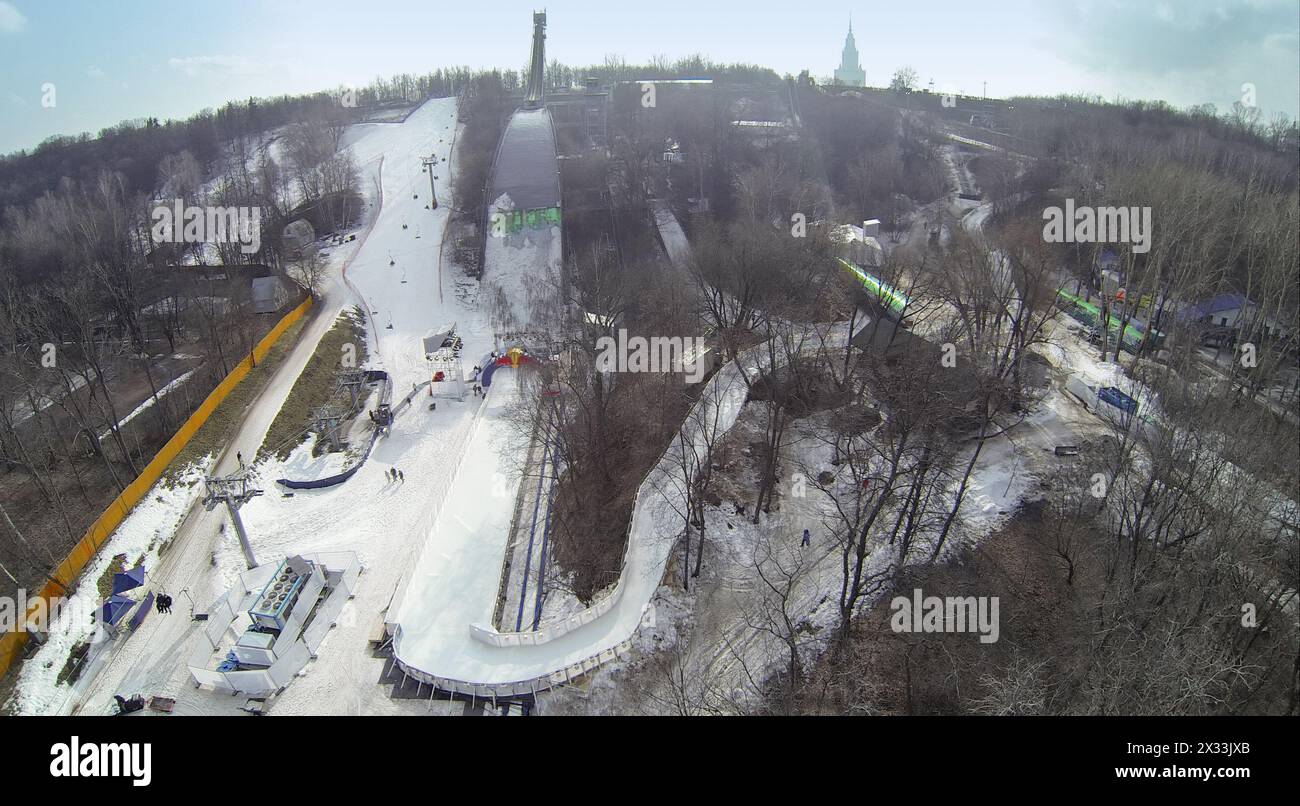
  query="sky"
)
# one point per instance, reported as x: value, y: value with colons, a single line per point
x: 72, y: 66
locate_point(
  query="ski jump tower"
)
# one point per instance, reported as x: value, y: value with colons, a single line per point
x: 536, y: 97
x: 522, y: 225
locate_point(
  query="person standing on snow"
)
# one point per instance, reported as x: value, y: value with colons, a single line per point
x: 807, y: 538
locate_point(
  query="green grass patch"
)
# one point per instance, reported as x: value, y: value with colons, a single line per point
x: 317, y: 384
x: 104, y: 585
x: 72, y: 666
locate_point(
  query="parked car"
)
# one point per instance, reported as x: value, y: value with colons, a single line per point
x: 1118, y: 399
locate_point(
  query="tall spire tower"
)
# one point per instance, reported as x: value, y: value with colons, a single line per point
x: 850, y: 72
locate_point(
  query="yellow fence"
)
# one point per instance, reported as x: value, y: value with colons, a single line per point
x: 11, y: 643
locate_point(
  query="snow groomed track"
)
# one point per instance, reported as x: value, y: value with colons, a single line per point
x: 524, y: 572
x: 440, y: 638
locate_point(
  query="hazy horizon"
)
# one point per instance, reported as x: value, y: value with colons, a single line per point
x: 111, y: 63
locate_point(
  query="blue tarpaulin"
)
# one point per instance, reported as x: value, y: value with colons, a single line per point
x: 128, y: 580
x: 145, y: 607
x: 111, y: 611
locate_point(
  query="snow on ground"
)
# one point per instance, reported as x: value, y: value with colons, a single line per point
x: 521, y: 272
x: 385, y: 522
x: 670, y: 232
x: 434, y: 635
x: 453, y: 537
x: 301, y: 464
x: 141, y: 536
x: 525, y: 588
x: 455, y: 582
x: 1074, y: 355
x: 379, y: 520
x: 718, y: 637
x: 143, y: 407
x: 22, y: 410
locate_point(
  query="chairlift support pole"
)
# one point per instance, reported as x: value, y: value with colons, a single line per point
x: 429, y: 163
x: 234, y: 491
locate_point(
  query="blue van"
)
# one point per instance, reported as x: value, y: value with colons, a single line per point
x: 1118, y: 399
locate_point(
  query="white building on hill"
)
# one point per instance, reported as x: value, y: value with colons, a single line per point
x: 850, y: 72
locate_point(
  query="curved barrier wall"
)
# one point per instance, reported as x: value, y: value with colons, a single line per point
x: 733, y: 380
x: 371, y: 376
x: 11, y: 643
x: 337, y: 478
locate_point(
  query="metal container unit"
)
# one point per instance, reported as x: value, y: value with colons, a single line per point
x: 255, y: 648
x: 278, y: 597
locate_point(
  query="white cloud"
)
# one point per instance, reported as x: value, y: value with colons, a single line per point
x: 215, y: 65
x: 1198, y: 53
x: 11, y: 19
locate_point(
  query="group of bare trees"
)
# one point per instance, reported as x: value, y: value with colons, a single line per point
x: 92, y: 305
x: 1176, y: 569
x: 1172, y: 543
x: 1168, y: 546
x: 879, y: 161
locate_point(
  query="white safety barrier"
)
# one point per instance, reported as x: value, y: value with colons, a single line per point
x: 728, y: 390
x: 294, y: 648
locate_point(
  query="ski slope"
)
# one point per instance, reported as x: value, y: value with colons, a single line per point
x: 383, y: 522
x: 431, y: 546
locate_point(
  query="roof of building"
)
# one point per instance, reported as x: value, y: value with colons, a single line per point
x: 1223, y: 302
x: 265, y: 288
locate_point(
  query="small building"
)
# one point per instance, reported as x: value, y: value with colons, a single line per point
x: 1225, y: 310
x: 298, y: 235
x: 271, y: 622
x: 269, y: 294
x: 860, y: 244
x: 1234, y: 312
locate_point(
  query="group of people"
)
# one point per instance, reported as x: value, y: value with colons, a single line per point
x: 474, y: 387
x: 163, y: 603
x: 396, y: 475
